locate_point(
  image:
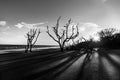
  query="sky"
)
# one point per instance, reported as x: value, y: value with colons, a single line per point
x: 17, y: 17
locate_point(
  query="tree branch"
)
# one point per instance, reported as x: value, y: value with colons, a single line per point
x: 51, y: 35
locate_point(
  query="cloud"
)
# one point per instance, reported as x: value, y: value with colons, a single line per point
x: 89, y: 29
x: 19, y: 25
x: 3, y: 23
x: 82, y: 29
x: 90, y: 25
x: 27, y: 25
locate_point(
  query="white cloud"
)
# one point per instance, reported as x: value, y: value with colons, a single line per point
x: 82, y: 29
x: 90, y: 25
x: 27, y: 25
x: 89, y: 29
x: 3, y: 23
x: 19, y: 25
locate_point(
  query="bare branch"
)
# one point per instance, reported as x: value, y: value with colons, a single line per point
x: 32, y: 37
x: 36, y: 37
x: 51, y: 35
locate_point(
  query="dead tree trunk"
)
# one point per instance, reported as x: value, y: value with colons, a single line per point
x: 32, y: 37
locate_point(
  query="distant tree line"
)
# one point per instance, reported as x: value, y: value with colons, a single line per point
x: 109, y: 39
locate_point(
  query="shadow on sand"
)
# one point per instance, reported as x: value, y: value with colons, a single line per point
x: 108, y: 68
x: 87, y: 59
x: 52, y: 73
x: 31, y: 67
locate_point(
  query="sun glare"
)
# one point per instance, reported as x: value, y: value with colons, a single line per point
x: 96, y: 38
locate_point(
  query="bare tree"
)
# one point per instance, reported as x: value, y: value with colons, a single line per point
x: 32, y: 37
x: 63, y: 36
x: 106, y: 37
x: 106, y: 32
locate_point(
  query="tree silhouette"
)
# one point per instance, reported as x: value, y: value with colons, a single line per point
x: 114, y: 42
x: 106, y: 37
x: 63, y: 36
x: 106, y: 32
x: 32, y: 37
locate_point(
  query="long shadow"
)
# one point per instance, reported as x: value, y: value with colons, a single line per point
x: 87, y: 59
x: 50, y: 74
x: 21, y: 69
x: 60, y: 70
x: 103, y: 75
x: 30, y: 59
x: 18, y: 55
x: 45, y: 74
x: 114, y: 63
x: 106, y: 55
x: 78, y: 56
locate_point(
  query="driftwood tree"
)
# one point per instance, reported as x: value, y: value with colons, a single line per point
x: 32, y: 37
x: 63, y: 35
